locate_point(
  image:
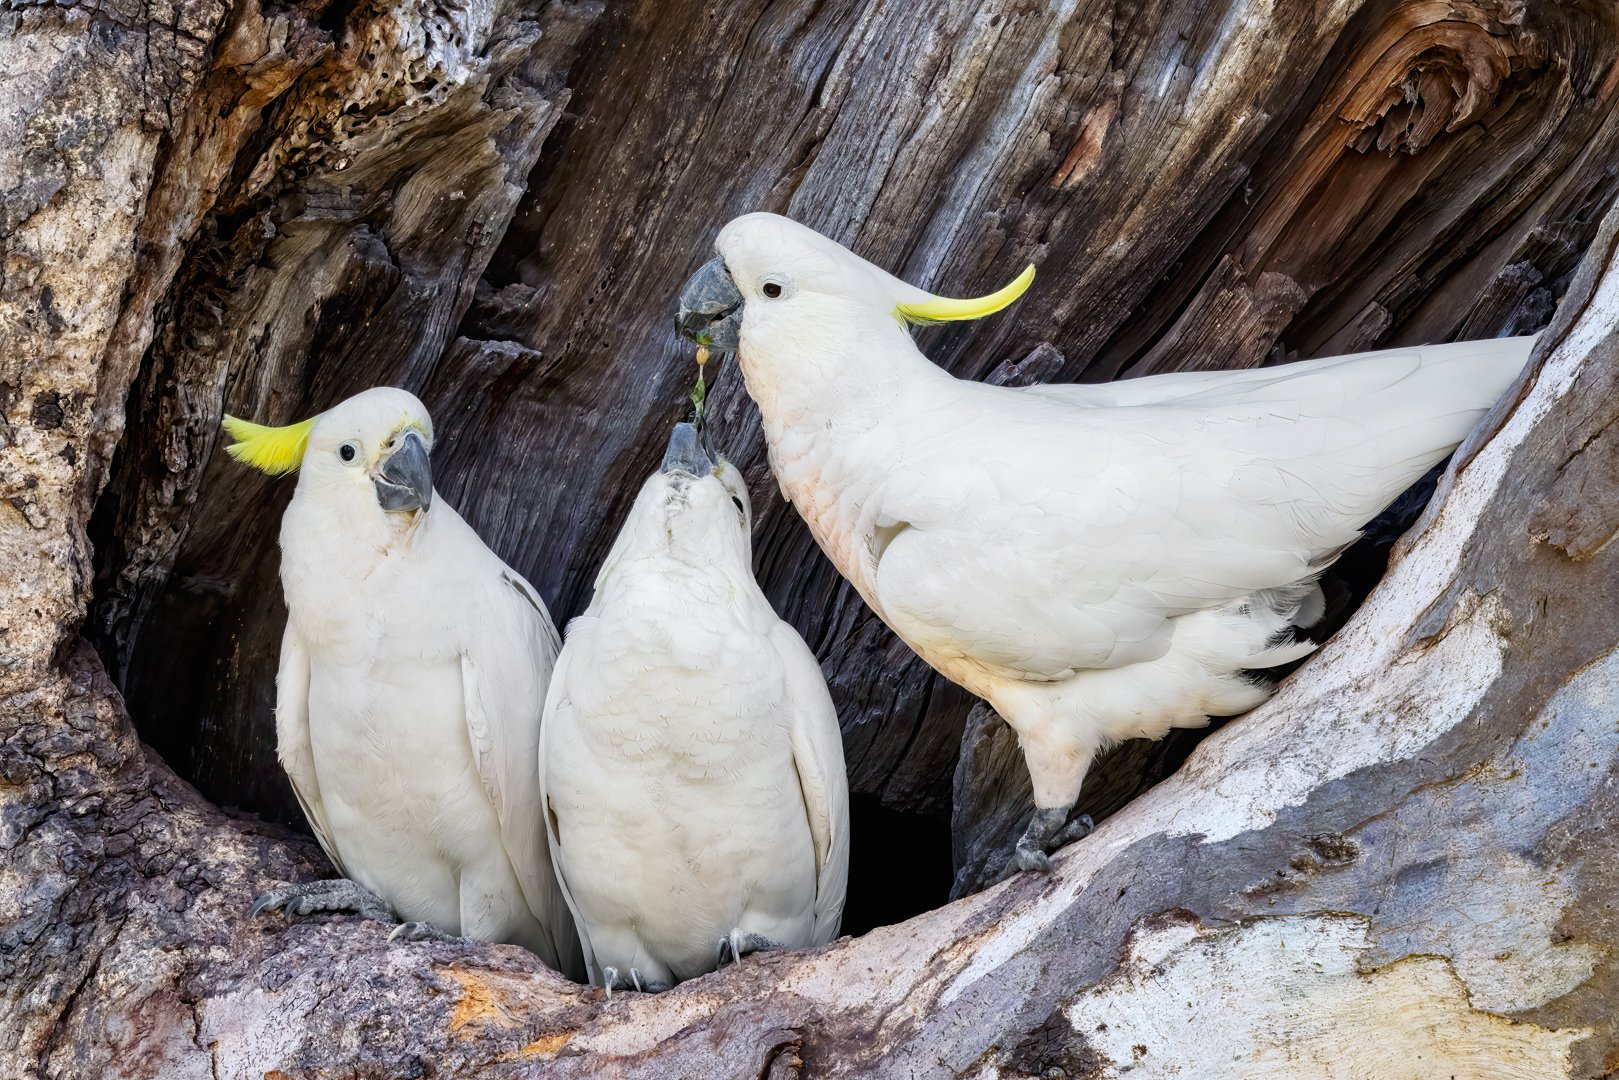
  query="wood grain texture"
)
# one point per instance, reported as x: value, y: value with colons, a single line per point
x: 1201, y: 184
x: 262, y: 208
x: 1416, y: 837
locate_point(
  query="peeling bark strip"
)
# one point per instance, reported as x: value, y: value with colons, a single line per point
x: 267, y: 207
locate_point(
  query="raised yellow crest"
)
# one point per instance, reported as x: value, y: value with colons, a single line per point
x: 275, y: 450
x: 944, y: 309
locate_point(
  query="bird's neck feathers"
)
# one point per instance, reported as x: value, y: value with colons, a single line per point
x: 334, y: 541
x: 639, y: 581
x: 843, y: 373
x: 837, y: 413
x: 668, y: 544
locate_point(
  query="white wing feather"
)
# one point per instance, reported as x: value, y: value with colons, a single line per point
x: 505, y: 692
x: 558, y: 723
x: 1038, y: 538
x: 292, y: 738
x: 818, y: 755
x: 1490, y: 358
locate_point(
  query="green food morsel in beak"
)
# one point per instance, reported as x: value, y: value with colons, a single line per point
x: 405, y: 481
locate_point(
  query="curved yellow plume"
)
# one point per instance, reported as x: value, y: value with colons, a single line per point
x: 275, y: 450
x: 943, y: 309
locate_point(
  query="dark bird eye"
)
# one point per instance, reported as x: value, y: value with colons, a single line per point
x: 346, y: 451
x: 772, y: 290
x: 738, y: 504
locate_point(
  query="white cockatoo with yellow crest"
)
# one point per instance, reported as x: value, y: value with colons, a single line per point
x: 413, y: 673
x: 1099, y: 562
x: 691, y: 759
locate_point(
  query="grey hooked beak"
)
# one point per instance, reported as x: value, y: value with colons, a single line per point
x: 405, y: 481
x: 711, y: 308
x: 687, y: 452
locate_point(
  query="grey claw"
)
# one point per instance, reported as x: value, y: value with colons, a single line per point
x: 738, y: 944
x: 612, y: 980
x: 1024, y: 859
x: 1048, y: 830
x: 1078, y: 829
x: 416, y: 930
x: 1031, y: 859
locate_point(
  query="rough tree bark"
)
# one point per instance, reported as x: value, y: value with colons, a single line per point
x: 207, y: 205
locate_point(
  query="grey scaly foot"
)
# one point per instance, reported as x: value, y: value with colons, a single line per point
x: 1048, y: 830
x: 612, y: 980
x: 419, y: 931
x: 647, y: 986
x: 335, y: 895
x: 738, y: 944
x: 1077, y: 829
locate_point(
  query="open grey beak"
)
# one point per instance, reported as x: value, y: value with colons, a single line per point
x: 711, y: 308
x: 687, y: 452
x: 405, y: 481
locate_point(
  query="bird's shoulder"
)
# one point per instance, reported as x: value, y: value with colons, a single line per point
x: 461, y: 570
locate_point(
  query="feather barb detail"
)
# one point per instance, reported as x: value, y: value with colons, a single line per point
x: 274, y: 450
x: 944, y: 309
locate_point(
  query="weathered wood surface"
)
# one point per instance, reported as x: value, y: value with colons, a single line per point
x: 1417, y: 837
x: 1201, y: 183
x: 262, y: 208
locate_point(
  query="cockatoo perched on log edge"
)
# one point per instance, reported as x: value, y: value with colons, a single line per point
x: 413, y: 674
x: 1100, y: 562
x: 691, y: 759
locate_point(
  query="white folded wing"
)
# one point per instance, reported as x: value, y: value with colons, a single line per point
x: 505, y: 698
x: 818, y: 755
x: 292, y: 738
x: 1060, y: 527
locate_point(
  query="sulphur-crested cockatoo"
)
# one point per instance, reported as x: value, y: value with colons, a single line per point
x: 413, y: 673
x: 691, y: 760
x: 1099, y: 562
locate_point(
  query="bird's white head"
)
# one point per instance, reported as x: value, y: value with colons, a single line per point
x: 775, y: 279
x: 366, y: 458
x: 694, y: 510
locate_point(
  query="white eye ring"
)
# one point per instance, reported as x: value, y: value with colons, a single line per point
x: 775, y: 288
x: 349, y: 452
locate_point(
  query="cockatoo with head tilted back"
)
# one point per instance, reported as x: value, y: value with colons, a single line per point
x: 1098, y: 562
x: 413, y: 674
x: 691, y: 757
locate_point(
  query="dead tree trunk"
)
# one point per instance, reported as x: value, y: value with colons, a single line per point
x: 260, y: 208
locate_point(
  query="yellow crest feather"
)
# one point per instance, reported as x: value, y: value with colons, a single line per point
x: 275, y: 450
x: 944, y: 309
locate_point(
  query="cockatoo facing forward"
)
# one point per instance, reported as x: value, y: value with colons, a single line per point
x: 413, y: 673
x: 691, y: 758
x: 1100, y: 562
